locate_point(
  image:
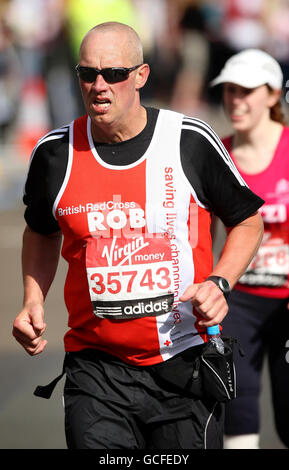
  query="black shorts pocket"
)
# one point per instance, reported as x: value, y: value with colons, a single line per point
x: 179, y: 372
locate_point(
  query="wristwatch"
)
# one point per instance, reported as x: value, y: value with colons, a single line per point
x: 222, y: 283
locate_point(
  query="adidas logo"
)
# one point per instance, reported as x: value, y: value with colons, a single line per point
x: 151, y: 307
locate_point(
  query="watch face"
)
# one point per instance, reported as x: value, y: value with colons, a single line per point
x: 224, y: 285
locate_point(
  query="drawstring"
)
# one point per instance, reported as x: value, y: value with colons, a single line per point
x: 45, y: 391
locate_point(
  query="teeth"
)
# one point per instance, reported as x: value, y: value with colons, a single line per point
x: 102, y: 104
x: 238, y: 112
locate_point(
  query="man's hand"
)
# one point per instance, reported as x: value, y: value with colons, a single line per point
x: 209, y: 302
x: 29, y: 327
x: 40, y: 254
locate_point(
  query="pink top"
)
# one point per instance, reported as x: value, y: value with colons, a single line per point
x: 268, y: 273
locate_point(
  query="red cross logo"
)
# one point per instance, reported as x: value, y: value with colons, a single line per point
x: 167, y: 343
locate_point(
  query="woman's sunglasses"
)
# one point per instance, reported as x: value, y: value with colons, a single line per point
x: 110, y: 74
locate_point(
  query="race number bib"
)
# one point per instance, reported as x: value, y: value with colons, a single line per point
x: 270, y: 267
x: 130, y: 277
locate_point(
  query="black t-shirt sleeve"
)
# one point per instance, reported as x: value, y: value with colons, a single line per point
x: 213, y: 175
x: 45, y: 176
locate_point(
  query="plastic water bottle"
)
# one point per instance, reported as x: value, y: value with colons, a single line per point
x: 214, y: 337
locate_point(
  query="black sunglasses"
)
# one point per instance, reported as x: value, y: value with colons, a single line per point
x: 110, y: 74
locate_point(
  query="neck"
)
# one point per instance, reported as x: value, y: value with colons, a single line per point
x: 120, y: 130
x: 255, y: 150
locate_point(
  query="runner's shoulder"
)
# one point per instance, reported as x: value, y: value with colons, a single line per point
x: 201, y: 146
x: 198, y: 131
x: 54, y: 142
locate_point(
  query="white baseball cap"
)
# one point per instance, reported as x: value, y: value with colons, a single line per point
x: 251, y: 68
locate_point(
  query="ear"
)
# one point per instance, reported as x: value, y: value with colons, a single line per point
x: 274, y: 97
x: 142, y: 75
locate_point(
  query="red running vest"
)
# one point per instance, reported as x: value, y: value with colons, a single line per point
x: 135, y: 237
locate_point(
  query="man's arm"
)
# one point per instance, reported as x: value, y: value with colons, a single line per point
x: 241, y: 245
x: 40, y: 255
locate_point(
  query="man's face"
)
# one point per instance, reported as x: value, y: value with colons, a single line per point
x: 109, y: 105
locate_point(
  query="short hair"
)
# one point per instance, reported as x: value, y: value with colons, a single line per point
x: 132, y: 38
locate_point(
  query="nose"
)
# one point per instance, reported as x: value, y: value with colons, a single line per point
x: 237, y: 97
x: 99, y: 84
x: 240, y: 94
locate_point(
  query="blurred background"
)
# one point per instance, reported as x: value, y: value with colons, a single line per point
x: 186, y: 43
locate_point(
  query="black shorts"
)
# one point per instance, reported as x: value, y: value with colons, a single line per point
x: 112, y: 405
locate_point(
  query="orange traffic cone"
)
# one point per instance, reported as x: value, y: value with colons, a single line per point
x: 33, y: 116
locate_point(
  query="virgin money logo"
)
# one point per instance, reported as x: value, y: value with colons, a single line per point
x: 119, y: 255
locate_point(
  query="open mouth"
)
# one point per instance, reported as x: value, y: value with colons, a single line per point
x: 238, y: 113
x: 101, y: 104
